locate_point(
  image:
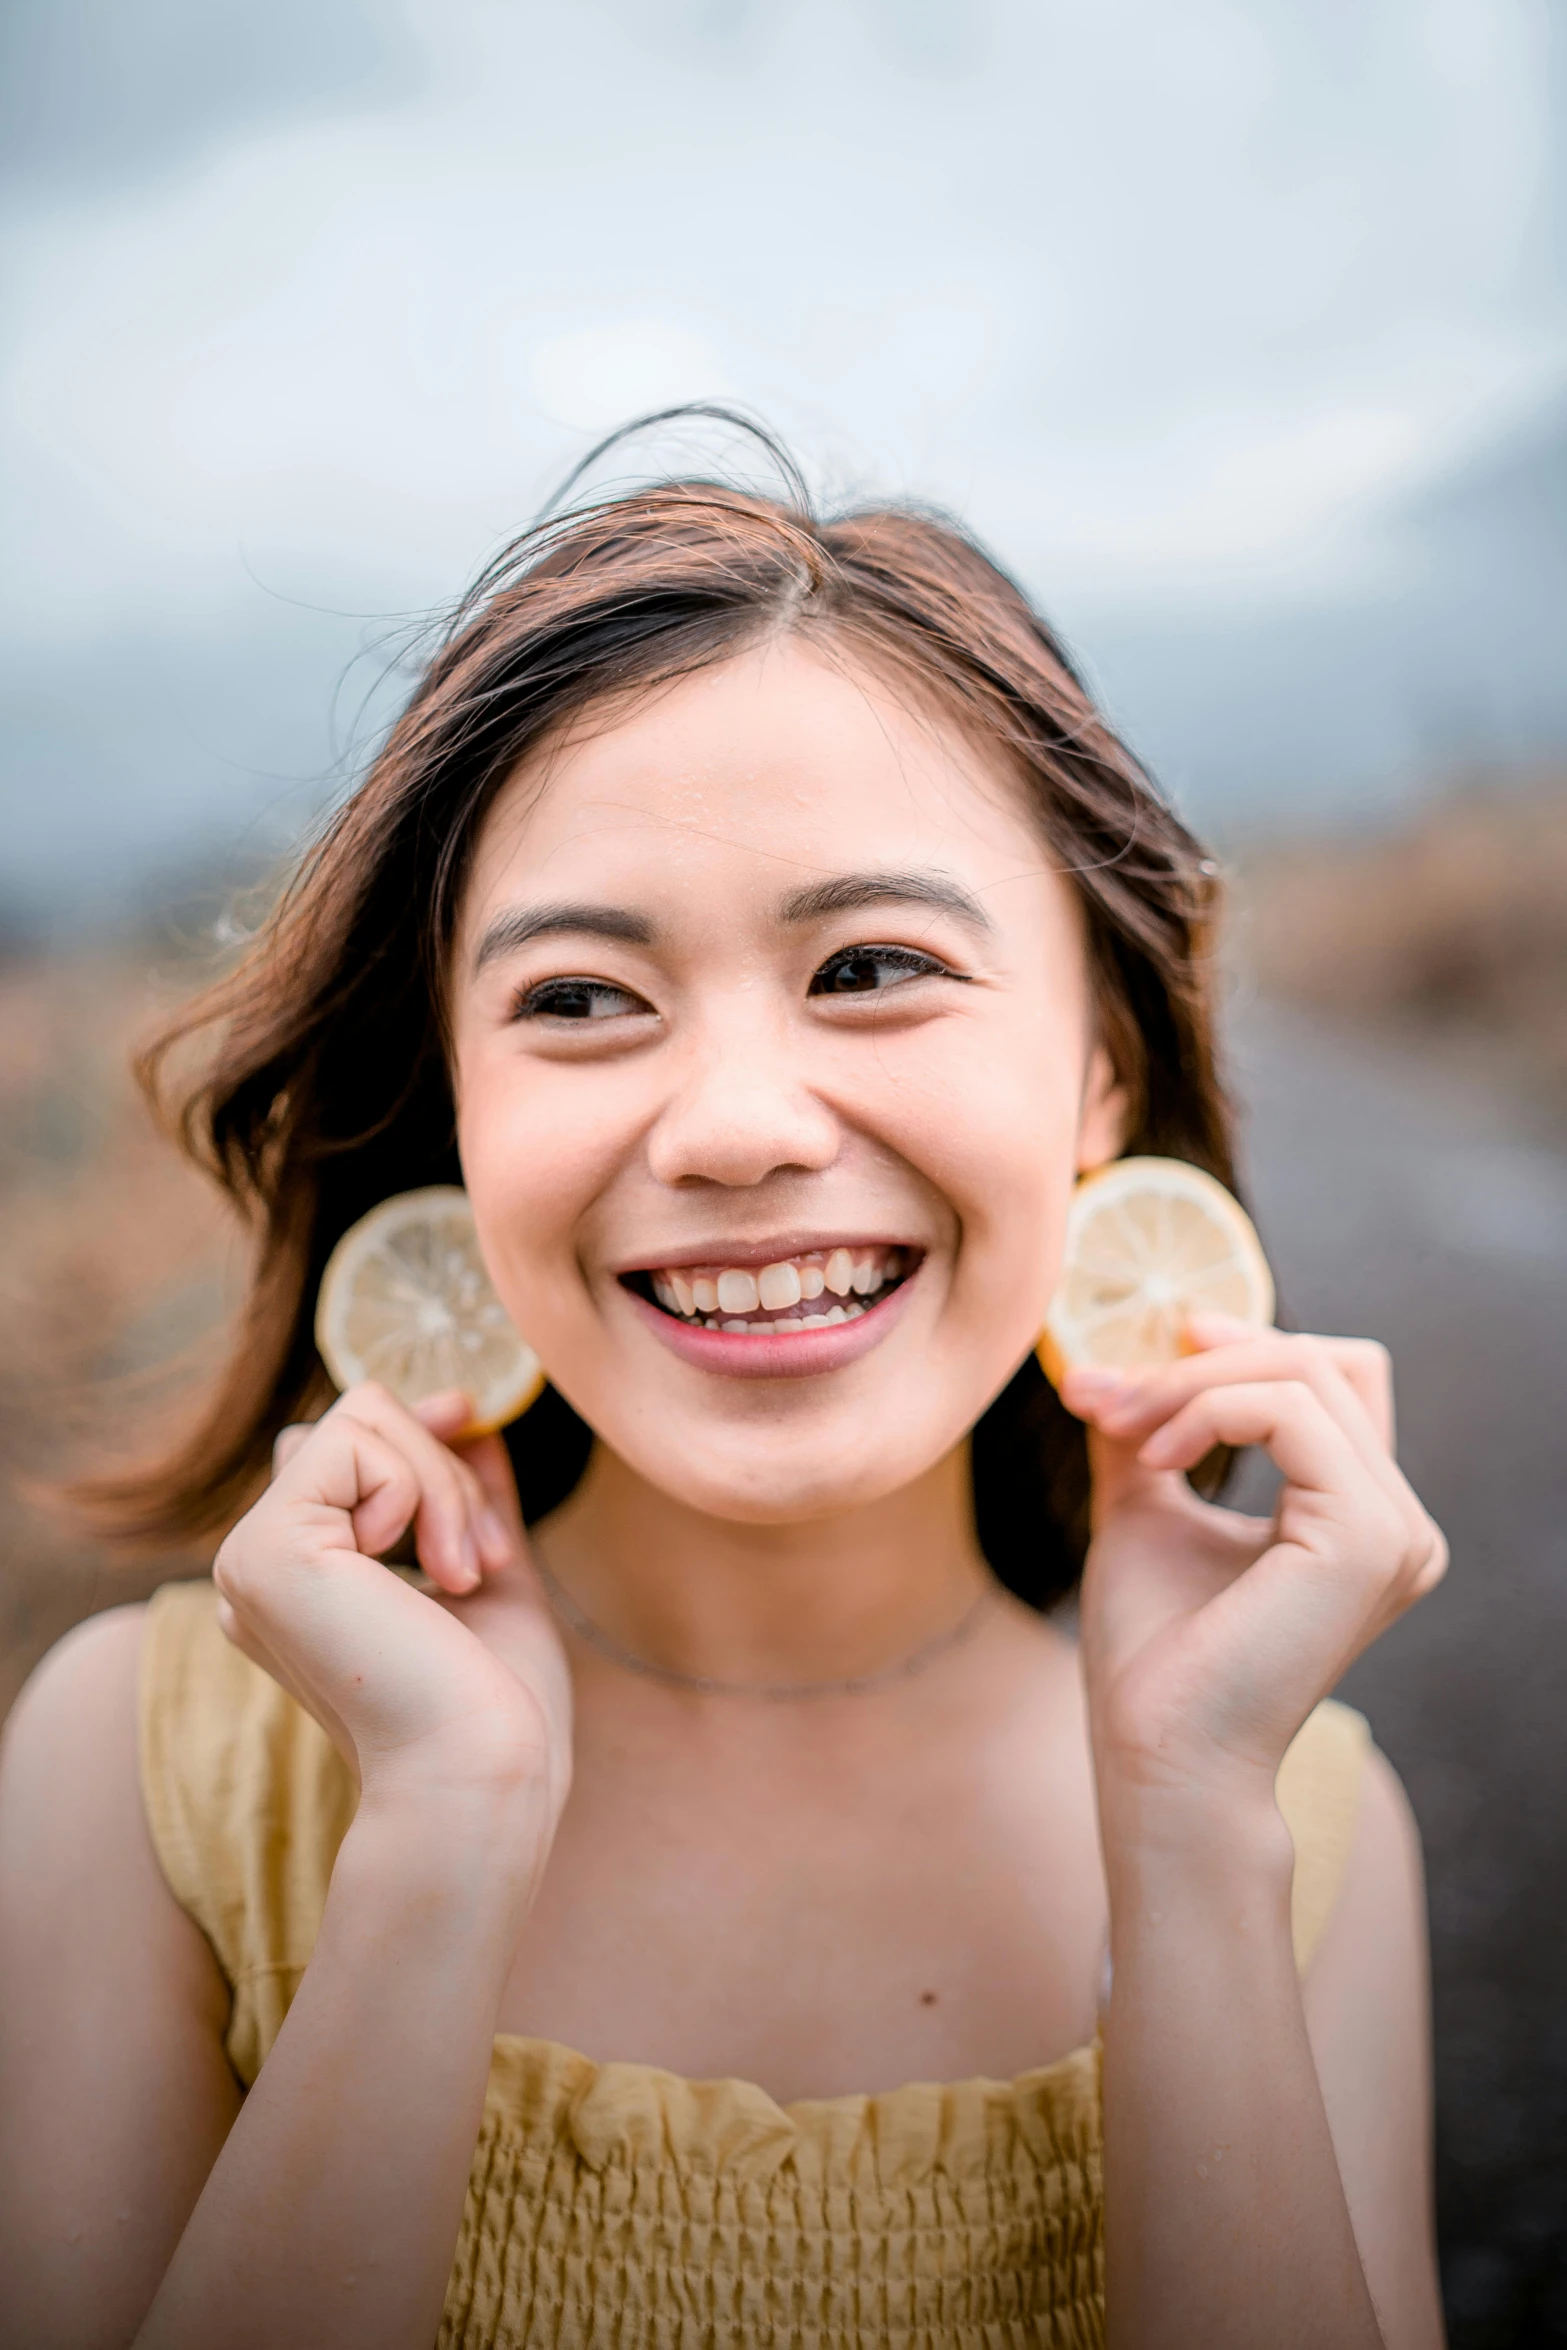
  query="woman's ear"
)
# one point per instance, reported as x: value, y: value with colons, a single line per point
x: 1105, y: 1115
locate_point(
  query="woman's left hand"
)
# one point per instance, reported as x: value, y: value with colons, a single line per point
x: 1208, y: 1636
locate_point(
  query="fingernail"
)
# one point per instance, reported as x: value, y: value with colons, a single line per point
x: 1218, y: 1326
x: 494, y: 1535
x: 1097, y: 1386
x: 444, y: 1406
x: 468, y: 1559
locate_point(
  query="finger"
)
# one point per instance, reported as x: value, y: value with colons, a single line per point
x: 431, y: 1489
x: 349, y: 1467
x: 1120, y: 1479
x: 1132, y: 1409
x: 495, y: 1526
x: 288, y: 1441
x: 1137, y: 1407
x: 1351, y: 1380
x: 1433, y: 1564
x: 453, y: 1503
x: 1368, y: 1367
x: 1363, y: 1363
x: 445, y: 1415
x: 499, y: 1525
x: 1285, y: 1416
x: 497, y: 1519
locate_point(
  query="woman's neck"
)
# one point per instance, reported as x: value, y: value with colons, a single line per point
x: 827, y: 1599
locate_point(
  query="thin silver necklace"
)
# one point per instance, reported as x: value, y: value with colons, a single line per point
x: 775, y: 1692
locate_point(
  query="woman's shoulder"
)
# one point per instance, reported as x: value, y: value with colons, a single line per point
x: 74, y: 1849
x: 1321, y: 1787
x: 1359, y: 1895
x: 70, y: 1739
x: 75, y: 1709
x: 89, y: 1744
x: 147, y: 1758
x: 1379, y: 1903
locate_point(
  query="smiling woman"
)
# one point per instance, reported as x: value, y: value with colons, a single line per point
x: 682, y: 1916
x: 904, y: 632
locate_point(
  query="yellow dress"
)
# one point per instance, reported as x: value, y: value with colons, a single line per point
x: 619, y: 2206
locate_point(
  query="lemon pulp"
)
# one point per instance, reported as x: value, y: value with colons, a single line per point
x: 1149, y: 1243
x: 406, y: 1300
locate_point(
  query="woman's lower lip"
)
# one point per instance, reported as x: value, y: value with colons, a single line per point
x: 796, y: 1354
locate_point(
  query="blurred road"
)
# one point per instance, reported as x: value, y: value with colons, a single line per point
x: 1402, y: 1199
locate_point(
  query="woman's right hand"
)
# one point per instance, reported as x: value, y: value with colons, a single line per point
x: 425, y: 1695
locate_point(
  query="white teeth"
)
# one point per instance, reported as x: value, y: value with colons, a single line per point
x: 838, y: 1272
x: 779, y: 1285
x: 724, y: 1300
x: 737, y: 1325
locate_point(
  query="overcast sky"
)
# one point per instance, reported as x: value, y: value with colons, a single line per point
x: 308, y: 304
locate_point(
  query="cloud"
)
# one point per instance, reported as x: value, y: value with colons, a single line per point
x: 95, y: 92
x: 591, y: 378
x: 1168, y: 303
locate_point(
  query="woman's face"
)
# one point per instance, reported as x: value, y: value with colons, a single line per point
x: 775, y: 1065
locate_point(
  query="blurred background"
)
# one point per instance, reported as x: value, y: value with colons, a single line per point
x: 1237, y: 329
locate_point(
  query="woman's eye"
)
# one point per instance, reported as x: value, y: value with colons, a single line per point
x: 577, y: 999
x: 870, y: 970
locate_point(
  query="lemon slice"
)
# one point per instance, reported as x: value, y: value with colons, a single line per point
x: 1149, y: 1242
x: 406, y: 1299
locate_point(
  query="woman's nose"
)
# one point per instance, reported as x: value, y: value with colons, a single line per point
x: 742, y: 1114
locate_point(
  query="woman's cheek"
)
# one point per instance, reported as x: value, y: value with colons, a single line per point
x: 528, y: 1180
x: 1007, y: 1166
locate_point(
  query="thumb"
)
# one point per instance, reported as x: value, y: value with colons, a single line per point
x: 1120, y: 1482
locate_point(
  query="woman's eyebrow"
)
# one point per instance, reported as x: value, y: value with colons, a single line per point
x: 847, y: 892
x: 518, y: 924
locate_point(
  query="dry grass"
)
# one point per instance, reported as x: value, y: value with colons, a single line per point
x: 116, y: 1265
x: 1454, y: 927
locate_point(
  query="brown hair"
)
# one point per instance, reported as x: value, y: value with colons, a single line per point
x: 323, y: 1083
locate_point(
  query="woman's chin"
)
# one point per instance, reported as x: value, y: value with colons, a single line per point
x: 777, y: 1483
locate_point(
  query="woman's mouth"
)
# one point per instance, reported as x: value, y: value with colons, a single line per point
x: 794, y: 1315
x: 814, y: 1291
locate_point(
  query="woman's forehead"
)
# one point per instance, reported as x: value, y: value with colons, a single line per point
x: 779, y: 761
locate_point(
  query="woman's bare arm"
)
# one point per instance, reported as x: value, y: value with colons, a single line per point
x: 330, y: 2217
x: 323, y: 2210
x: 1281, y: 2145
x: 322, y: 2213
x: 115, y: 2094
x: 1226, y: 2221
x: 1240, y: 2209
